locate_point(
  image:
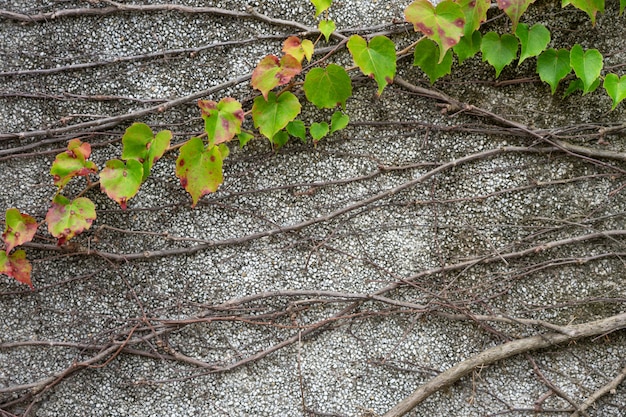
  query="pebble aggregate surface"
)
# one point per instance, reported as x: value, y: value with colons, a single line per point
x: 360, y: 368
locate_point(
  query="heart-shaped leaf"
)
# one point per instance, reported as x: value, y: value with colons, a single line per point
x: 591, y: 7
x: 272, y: 72
x: 318, y: 131
x: 533, y: 40
x: 587, y: 65
x: 425, y: 56
x: 616, y: 88
x: 514, y: 9
x: 67, y: 218
x: 297, y: 129
x: 327, y: 27
x: 321, y: 5
x: 199, y: 168
x: 273, y: 114
x: 19, y: 228
x: 444, y: 24
x: 553, y: 66
x: 121, y: 181
x: 71, y: 163
x: 378, y: 59
x: 338, y: 121
x: 328, y: 87
x: 141, y: 144
x: 298, y: 49
x: 222, y: 121
x: 468, y: 46
x: 16, y: 266
x: 499, y: 51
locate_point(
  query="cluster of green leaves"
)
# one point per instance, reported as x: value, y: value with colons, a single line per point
x: 450, y: 26
x: 453, y: 26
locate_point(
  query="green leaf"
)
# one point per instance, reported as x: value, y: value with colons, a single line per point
x: 222, y: 121
x: 72, y: 163
x: 271, y: 72
x: 244, y: 137
x: 298, y: 49
x: 534, y: 40
x: 297, y: 129
x: 444, y: 24
x: 468, y: 46
x: 587, y: 65
x: 16, y: 266
x: 321, y: 5
x: 622, y: 5
x: 378, y: 59
x: 139, y: 143
x: 498, y: 51
x: 280, y: 139
x: 328, y: 87
x: 327, y: 27
x: 338, y: 121
x: 273, y: 114
x: 67, y: 218
x: 18, y: 229
x: 616, y: 88
x: 425, y: 56
x: 200, y: 169
x: 318, y: 131
x: 577, y: 85
x: 475, y: 12
x: 591, y: 7
x: 553, y: 66
x: 514, y: 9
x: 121, y: 181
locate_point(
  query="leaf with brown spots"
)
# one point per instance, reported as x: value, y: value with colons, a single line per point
x: 199, y: 168
x: 443, y: 24
x: 67, y: 218
x: 121, y: 181
x: 19, y: 228
x: 16, y: 266
x: 514, y: 9
x: 72, y: 163
x: 271, y: 72
x: 222, y: 121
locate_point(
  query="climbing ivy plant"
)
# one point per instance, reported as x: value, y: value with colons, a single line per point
x: 451, y: 28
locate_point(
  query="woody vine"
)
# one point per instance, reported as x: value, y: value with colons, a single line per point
x: 450, y: 29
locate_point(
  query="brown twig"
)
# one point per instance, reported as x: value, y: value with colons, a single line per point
x: 506, y: 350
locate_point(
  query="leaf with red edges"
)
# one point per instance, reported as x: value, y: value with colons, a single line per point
x: 271, y: 72
x: 298, y: 49
x: 16, y: 266
x: 199, y: 168
x: 443, y: 24
x: 121, y: 181
x: 475, y: 12
x: 67, y: 218
x: 19, y: 229
x: 222, y: 121
x: 514, y: 9
x: 72, y: 163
